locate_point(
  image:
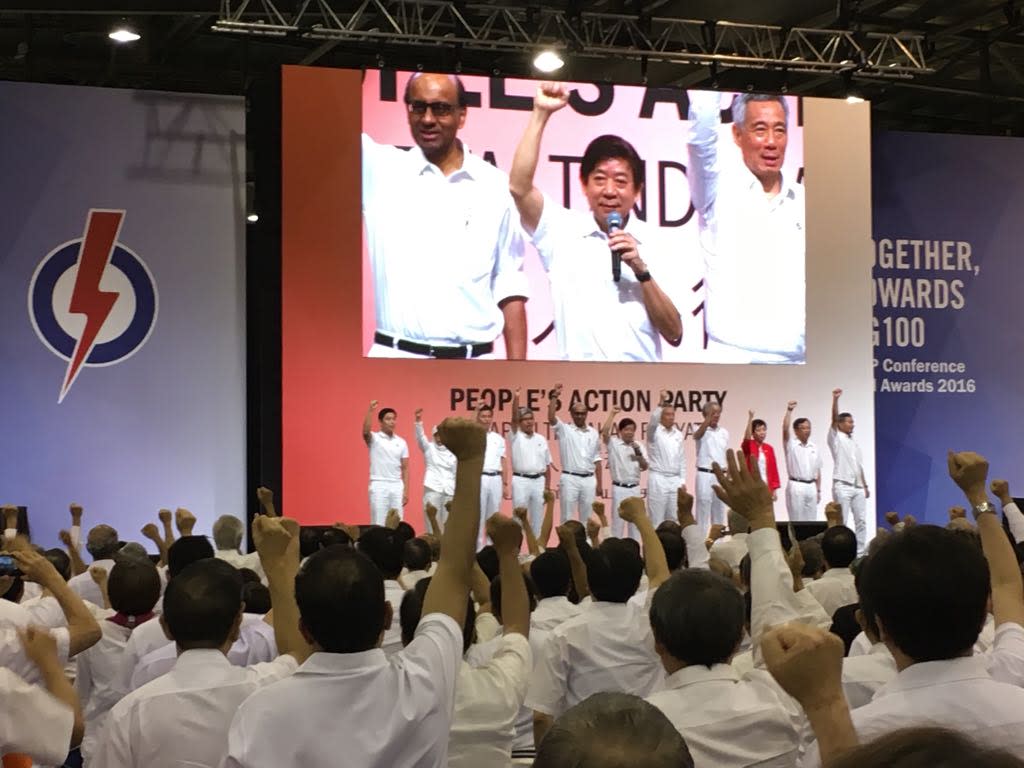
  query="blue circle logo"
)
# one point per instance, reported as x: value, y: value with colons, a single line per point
x: 93, y: 302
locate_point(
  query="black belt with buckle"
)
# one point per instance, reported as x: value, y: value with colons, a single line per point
x: 625, y: 485
x: 709, y: 471
x: 798, y: 480
x: 577, y: 474
x: 492, y: 474
x: 528, y: 477
x: 458, y: 352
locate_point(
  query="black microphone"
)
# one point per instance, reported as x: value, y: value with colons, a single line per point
x: 613, y: 222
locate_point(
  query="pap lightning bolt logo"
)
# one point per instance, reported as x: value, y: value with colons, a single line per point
x: 87, y: 298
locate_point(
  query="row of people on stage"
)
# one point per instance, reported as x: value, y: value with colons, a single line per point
x: 520, y: 469
x: 480, y: 219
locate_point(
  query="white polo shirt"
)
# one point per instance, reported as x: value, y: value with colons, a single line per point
x: 578, y: 449
x: 494, y: 451
x: 551, y: 612
x: 834, y: 589
x: 443, y: 289
x: 531, y: 454
x: 33, y: 722
x: 846, y: 455
x: 402, y: 717
x: 803, y: 462
x: 439, y: 474
x: 666, y: 447
x: 623, y: 463
x: 386, y: 454
x: 183, y: 717
x: 729, y: 721
x: 595, y: 317
x: 86, y: 588
x: 608, y: 647
x: 712, y: 446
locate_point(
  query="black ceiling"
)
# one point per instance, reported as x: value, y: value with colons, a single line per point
x: 975, y: 47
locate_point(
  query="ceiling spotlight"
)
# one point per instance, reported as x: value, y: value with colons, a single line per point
x: 252, y: 218
x: 853, y: 99
x: 548, y: 61
x: 123, y: 33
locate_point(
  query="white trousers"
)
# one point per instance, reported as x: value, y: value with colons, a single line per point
x: 576, y: 494
x: 436, y: 499
x: 662, y: 496
x: 529, y: 492
x: 709, y: 508
x: 490, y: 501
x: 620, y: 528
x: 802, y: 501
x: 854, y: 502
x: 384, y: 495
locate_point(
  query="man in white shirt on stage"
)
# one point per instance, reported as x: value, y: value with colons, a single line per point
x: 531, y: 463
x: 600, y: 313
x: 446, y: 251
x: 494, y: 483
x: 667, y: 461
x: 751, y: 230
x: 712, y: 443
x: 579, y: 451
x: 626, y: 460
x: 849, y: 485
x: 438, y: 472
x: 389, y: 465
x: 803, y: 468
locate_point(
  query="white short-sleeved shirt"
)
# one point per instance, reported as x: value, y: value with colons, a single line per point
x: 551, y: 612
x: 834, y: 589
x: 13, y: 615
x: 595, y: 317
x: 494, y: 451
x: 846, y: 456
x: 33, y: 722
x: 439, y: 463
x: 86, y: 588
x: 183, y: 717
x: 488, y: 699
x: 531, y: 454
x: 729, y: 721
x: 712, y: 446
x: 444, y: 289
x: 608, y: 647
x: 386, y: 454
x: 803, y: 462
x: 666, y: 447
x: 96, y: 679
x: 403, y: 717
x: 13, y: 658
x: 623, y: 463
x: 578, y: 449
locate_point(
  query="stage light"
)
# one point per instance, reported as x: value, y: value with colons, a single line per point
x: 548, y: 61
x: 854, y: 99
x: 252, y: 218
x: 123, y: 33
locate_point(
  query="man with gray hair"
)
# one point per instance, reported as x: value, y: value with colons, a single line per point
x: 751, y: 219
x: 227, y: 538
x: 102, y: 544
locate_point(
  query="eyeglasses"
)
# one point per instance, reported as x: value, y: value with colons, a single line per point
x: 437, y: 108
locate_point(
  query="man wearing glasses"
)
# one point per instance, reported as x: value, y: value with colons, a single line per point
x: 445, y: 248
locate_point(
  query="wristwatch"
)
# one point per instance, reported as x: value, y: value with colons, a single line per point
x: 644, y: 276
x: 983, y: 508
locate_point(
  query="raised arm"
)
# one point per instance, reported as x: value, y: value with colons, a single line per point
x: 277, y: 542
x: 185, y: 521
x: 632, y: 511
x: 550, y: 98
x: 697, y: 555
x: 522, y: 514
x: 554, y: 394
x: 165, y: 518
x: 702, y: 143
x: 970, y: 471
x: 515, y: 604
x: 41, y: 648
x: 1014, y: 518
x: 99, y: 576
x: 699, y: 432
x: 606, y: 428
x: 368, y: 423
x: 435, y: 524
x: 83, y: 631
x: 266, y: 499
x: 790, y: 406
x: 577, y: 567
x: 449, y: 587
x: 836, y: 394
x: 549, y: 517
x: 151, y: 532
x: 748, y: 432
x: 421, y: 435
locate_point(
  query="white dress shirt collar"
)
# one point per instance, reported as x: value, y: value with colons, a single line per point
x: 925, y: 674
x: 466, y: 169
x: 323, y: 663
x: 698, y: 673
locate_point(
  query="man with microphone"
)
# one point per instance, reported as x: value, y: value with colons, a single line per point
x: 610, y: 279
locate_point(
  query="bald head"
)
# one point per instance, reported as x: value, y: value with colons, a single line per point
x: 102, y: 542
